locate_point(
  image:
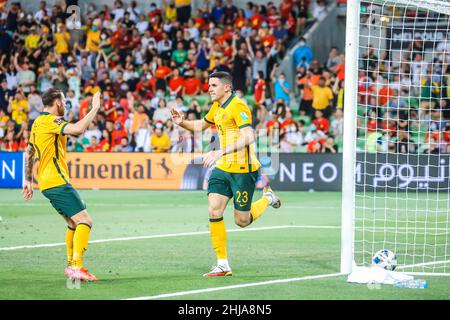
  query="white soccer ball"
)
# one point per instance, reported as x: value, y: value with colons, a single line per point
x: 385, y: 259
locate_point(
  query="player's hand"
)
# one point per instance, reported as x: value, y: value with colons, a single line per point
x: 27, y: 191
x: 211, y: 157
x: 177, y: 116
x: 96, y: 100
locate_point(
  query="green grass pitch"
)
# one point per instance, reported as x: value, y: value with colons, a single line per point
x: 164, y: 265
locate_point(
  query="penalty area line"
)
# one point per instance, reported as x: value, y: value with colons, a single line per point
x: 237, y: 286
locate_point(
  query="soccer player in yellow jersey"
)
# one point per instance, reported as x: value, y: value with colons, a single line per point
x: 236, y: 165
x: 48, y: 145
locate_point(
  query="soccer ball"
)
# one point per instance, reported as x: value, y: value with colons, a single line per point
x: 385, y: 259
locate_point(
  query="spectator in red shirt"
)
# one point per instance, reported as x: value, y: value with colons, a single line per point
x: 372, y: 122
x: 23, y: 143
x: 271, y: 122
x: 154, y: 11
x: 260, y: 89
x: 176, y: 84
x: 384, y: 93
x: 239, y: 22
x: 320, y: 122
x: 289, y: 119
x: 161, y: 74
x: 257, y: 19
x: 205, y: 81
x: 94, y: 146
x: 118, y: 133
x: 272, y: 17
x: 191, y: 85
x: 105, y: 142
x: 285, y: 8
x: 9, y: 144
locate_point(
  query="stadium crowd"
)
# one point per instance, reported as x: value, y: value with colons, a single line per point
x: 148, y: 61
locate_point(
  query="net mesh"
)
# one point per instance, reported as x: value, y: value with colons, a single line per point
x: 403, y: 132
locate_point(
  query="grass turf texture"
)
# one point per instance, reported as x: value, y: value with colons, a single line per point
x: 149, y: 267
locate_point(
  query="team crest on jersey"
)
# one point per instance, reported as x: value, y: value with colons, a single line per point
x: 58, y: 121
x: 244, y: 116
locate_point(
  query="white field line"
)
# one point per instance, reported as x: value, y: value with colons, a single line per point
x: 423, y: 264
x: 48, y: 245
x: 237, y: 286
x: 436, y: 274
x: 254, y: 284
x: 143, y: 205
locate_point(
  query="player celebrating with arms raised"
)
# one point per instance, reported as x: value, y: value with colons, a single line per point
x: 48, y: 143
x: 236, y: 170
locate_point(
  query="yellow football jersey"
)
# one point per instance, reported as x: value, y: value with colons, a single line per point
x: 233, y: 115
x: 48, y: 140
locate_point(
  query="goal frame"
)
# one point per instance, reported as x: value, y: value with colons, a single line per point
x: 349, y: 137
x: 349, y: 155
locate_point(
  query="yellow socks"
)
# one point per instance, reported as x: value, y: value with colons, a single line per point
x: 218, y: 237
x: 80, y: 243
x: 69, y: 244
x: 258, y: 208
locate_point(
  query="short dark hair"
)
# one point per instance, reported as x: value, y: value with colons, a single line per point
x: 224, y: 77
x: 50, y: 96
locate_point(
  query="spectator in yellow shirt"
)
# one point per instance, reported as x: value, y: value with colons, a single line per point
x: 93, y: 38
x: 160, y: 142
x: 32, y: 40
x: 171, y: 11
x: 322, y: 97
x: 18, y: 108
x: 62, y: 38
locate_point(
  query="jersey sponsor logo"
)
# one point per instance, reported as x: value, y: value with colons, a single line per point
x: 244, y: 116
x: 58, y: 121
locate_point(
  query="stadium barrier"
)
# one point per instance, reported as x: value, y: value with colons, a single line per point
x: 292, y: 172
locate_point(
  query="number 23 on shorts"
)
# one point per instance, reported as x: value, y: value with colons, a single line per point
x: 242, y: 198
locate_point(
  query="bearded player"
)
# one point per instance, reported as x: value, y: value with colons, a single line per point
x: 236, y: 166
x: 48, y: 145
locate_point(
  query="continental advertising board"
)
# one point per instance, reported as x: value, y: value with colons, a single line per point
x: 294, y: 172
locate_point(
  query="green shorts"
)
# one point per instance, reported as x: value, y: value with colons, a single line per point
x: 239, y: 186
x: 65, y: 199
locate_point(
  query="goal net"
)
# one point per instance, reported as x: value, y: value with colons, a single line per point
x: 398, y: 193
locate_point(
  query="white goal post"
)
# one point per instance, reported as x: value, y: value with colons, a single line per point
x: 396, y: 152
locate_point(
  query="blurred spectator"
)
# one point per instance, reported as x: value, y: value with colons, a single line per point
x: 329, y: 146
x: 303, y: 55
x: 376, y: 142
x: 321, y: 123
x: 35, y: 104
x: 320, y: 10
x: 333, y: 59
x: 18, y: 108
x: 9, y: 143
x: 123, y: 146
x: 93, y: 146
x: 160, y: 142
x: 281, y: 87
x: 322, y: 97
x: 93, y: 131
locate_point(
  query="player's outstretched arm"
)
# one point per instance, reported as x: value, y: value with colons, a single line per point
x: 78, y: 128
x: 27, y: 191
x: 191, y: 125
